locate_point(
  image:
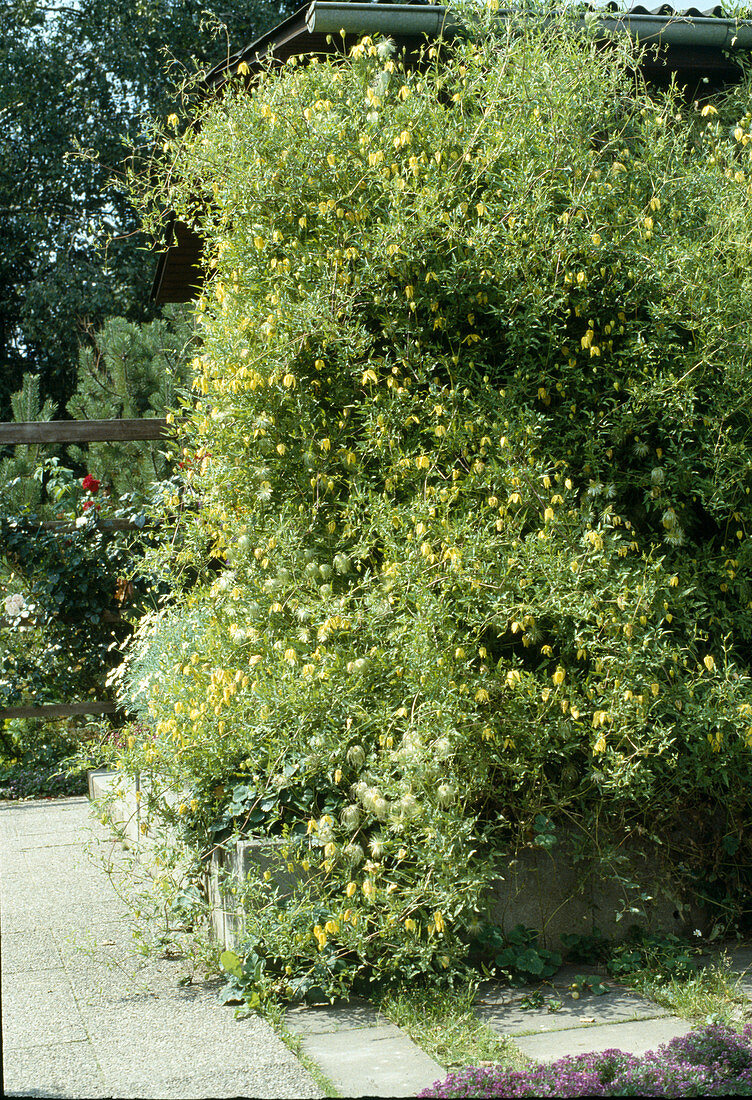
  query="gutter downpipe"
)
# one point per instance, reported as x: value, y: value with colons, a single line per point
x: 433, y: 20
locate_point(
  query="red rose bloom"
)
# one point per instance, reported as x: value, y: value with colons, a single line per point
x: 90, y: 484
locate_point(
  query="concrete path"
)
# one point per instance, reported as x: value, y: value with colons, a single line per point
x: 85, y: 1016
x: 361, y: 1052
x: 593, y: 1022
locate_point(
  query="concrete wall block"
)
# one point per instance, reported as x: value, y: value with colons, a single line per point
x: 262, y: 854
x: 126, y: 806
x: 118, y: 803
x: 549, y: 891
x: 246, y: 860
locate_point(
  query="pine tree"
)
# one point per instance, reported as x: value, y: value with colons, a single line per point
x: 130, y: 371
x: 19, y: 490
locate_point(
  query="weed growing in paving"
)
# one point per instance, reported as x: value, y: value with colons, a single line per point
x: 662, y: 956
x: 517, y: 955
x: 711, y: 995
x: 711, y: 1061
x: 444, y: 1024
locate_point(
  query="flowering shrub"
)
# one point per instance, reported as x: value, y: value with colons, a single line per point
x: 710, y: 1061
x: 15, y: 605
x: 464, y: 447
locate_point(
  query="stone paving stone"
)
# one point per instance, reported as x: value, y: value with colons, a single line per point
x: 110, y: 984
x: 212, y: 1044
x: 38, y: 1009
x: 55, y: 845
x: 254, y: 1081
x: 372, y: 1061
x: 12, y: 861
x: 741, y: 958
x: 64, y: 1070
x: 319, y: 1019
x: 360, y: 1051
x: 741, y: 961
x: 86, y: 942
x: 22, y: 951
x: 633, y: 1038
x: 68, y: 858
x: 164, y: 1067
x: 503, y: 1010
x: 63, y: 912
x: 15, y: 911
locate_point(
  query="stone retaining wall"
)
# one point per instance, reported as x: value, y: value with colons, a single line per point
x: 548, y: 890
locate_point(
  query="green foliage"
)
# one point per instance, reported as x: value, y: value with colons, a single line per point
x: 61, y: 570
x: 709, y: 995
x: 63, y: 584
x: 36, y: 758
x: 588, y: 947
x: 60, y: 641
x: 471, y: 434
x: 446, y: 1025
x: 81, y: 83
x: 20, y: 490
x: 516, y: 955
x: 131, y: 371
x: 283, y: 805
x: 661, y: 957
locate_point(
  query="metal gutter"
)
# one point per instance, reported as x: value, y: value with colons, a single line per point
x: 307, y: 30
x: 670, y: 29
x: 411, y: 20
x: 681, y: 30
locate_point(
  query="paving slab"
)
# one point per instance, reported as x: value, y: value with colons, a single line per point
x: 505, y: 1011
x: 65, y: 1070
x: 166, y: 1067
x: 98, y: 1023
x: 740, y: 957
x: 327, y: 1018
x: 361, y: 1052
x: 12, y: 860
x: 741, y: 961
x: 378, y: 1061
x: 633, y: 1038
x: 24, y: 949
x: 38, y: 1008
x: 62, y: 838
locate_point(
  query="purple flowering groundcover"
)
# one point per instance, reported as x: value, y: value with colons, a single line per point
x: 713, y: 1060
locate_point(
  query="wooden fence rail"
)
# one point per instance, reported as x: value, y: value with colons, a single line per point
x: 82, y: 431
x: 58, y: 710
